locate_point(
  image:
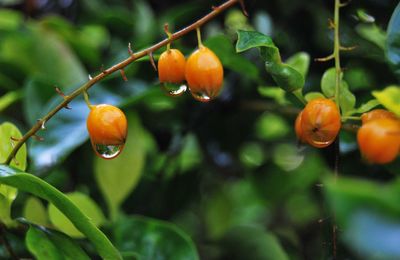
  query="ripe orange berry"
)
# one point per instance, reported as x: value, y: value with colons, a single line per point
x: 377, y: 114
x: 298, y: 129
x: 320, y: 122
x: 204, y: 74
x: 379, y: 140
x: 107, y: 127
x: 171, y: 66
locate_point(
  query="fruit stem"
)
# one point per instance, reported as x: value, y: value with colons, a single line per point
x: 199, y: 37
x: 132, y: 57
x: 169, y: 35
x: 87, y: 101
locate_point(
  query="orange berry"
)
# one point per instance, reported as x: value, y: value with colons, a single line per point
x: 298, y: 129
x: 320, y: 122
x: 377, y: 114
x: 107, y: 127
x: 171, y: 66
x: 204, y: 74
x: 379, y: 140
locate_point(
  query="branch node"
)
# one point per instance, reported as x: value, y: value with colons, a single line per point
x: 331, y: 24
x: 130, y: 50
x: 123, y: 75
x: 325, y: 59
x: 153, y: 63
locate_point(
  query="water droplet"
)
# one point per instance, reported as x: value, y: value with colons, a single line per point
x: 202, y: 96
x: 106, y: 151
x: 173, y: 89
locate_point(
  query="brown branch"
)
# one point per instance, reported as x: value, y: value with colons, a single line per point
x: 116, y: 67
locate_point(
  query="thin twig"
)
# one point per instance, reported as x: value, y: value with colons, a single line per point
x: 117, y: 67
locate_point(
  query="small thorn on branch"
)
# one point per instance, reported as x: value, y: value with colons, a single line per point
x: 324, y: 59
x: 344, y: 3
x: 130, y: 50
x: 42, y: 126
x: 243, y: 8
x: 153, y: 63
x: 59, y: 92
x: 90, y: 77
x: 102, y: 69
x: 213, y: 7
x: 123, y: 75
x: 331, y: 24
x: 14, y: 139
x: 350, y: 48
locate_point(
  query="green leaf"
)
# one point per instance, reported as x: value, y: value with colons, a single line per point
x: 9, y: 98
x: 34, y: 185
x: 347, y: 99
x: 393, y: 41
x: 287, y: 77
x: 35, y: 212
x: 389, y: 98
x: 117, y: 178
x: 313, y: 95
x: 190, y: 155
x: 40, y: 246
x: 224, y: 49
x: 372, y: 33
x: 367, y: 106
x: 364, y: 17
x: 10, y: 19
x: 8, y: 194
x: 247, y: 242
x: 328, y: 82
x: 276, y: 93
x: 153, y: 239
x: 271, y: 127
x: 300, y: 61
x: 85, y: 204
x: 49, y: 244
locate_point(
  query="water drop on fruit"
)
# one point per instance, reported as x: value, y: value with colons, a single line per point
x: 173, y: 89
x: 107, y: 151
x: 201, y: 96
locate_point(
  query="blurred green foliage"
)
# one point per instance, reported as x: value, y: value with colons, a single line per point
x: 223, y: 180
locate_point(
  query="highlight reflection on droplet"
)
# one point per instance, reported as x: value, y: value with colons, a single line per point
x: 107, y: 151
x: 173, y: 89
x: 202, y: 96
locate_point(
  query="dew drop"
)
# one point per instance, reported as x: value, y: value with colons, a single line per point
x: 106, y: 151
x: 202, y: 96
x: 173, y: 89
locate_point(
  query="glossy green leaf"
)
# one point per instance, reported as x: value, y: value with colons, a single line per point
x: 364, y: 17
x: 313, y: 95
x: 118, y: 177
x: 275, y: 93
x: 8, y: 194
x: 300, y: 61
x: 372, y: 33
x: 36, y: 186
x: 49, y: 244
x: 40, y: 246
x: 368, y: 106
x: 224, y: 49
x: 347, y: 99
x: 393, y: 41
x: 389, y: 98
x: 153, y: 239
x: 35, y: 212
x: 87, y: 206
x: 9, y: 98
x: 247, y: 242
x: 328, y: 82
x: 287, y: 77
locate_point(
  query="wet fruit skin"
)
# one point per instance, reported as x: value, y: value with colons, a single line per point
x: 107, y: 125
x: 379, y: 140
x: 298, y: 129
x: 320, y: 122
x: 204, y: 73
x: 171, y: 66
x: 377, y: 114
